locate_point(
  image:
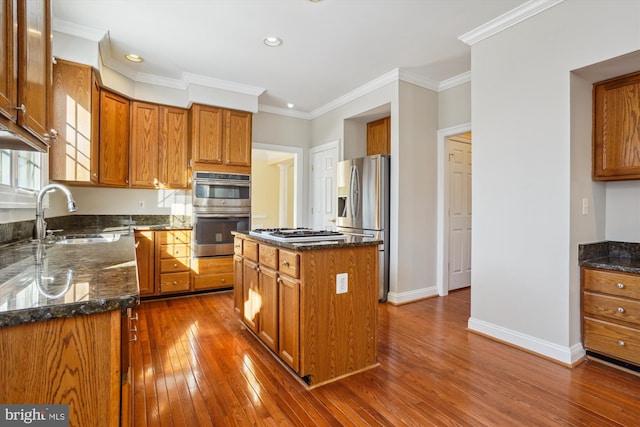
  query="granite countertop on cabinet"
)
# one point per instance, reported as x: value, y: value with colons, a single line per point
x: 41, y: 281
x: 348, y: 241
x: 608, y: 255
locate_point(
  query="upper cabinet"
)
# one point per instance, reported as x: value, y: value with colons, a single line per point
x: 114, y: 139
x: 616, y: 128
x: 25, y: 67
x: 159, y: 146
x: 379, y: 137
x: 73, y: 155
x: 220, y: 139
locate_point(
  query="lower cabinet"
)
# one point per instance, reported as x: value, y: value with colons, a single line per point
x: 165, y: 266
x: 289, y: 300
x: 611, y: 314
x: 83, y: 361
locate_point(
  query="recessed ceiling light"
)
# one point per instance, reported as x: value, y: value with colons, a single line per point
x: 133, y: 57
x: 290, y: 105
x: 272, y: 41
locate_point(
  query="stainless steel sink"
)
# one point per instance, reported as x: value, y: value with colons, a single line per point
x: 79, y: 239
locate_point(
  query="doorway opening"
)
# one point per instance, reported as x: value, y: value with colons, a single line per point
x: 276, y: 186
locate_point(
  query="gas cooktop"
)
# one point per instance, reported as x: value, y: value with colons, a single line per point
x: 296, y: 234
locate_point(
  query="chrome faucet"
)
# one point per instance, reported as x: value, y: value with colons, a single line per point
x: 40, y: 229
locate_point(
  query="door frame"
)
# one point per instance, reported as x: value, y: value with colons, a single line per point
x: 298, y: 182
x: 442, y: 217
x: 335, y: 144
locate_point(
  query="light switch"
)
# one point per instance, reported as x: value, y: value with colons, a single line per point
x: 342, y: 283
x: 585, y: 206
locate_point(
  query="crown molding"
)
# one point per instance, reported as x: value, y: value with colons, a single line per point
x: 504, y: 21
x: 409, y: 77
x: 454, y: 81
x: 284, y: 112
x: 87, y: 33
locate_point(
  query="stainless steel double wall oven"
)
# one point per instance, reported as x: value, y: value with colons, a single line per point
x: 221, y: 204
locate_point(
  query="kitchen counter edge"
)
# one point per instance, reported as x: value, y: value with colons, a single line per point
x: 350, y: 241
x: 610, y: 255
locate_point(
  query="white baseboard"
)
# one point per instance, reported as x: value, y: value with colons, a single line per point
x: 410, y: 296
x: 566, y: 355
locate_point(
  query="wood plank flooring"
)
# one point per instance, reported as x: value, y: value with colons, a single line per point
x: 196, y: 365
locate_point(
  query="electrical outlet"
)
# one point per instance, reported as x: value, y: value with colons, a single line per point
x: 140, y: 204
x: 342, y: 283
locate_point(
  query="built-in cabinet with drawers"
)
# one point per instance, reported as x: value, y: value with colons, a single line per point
x: 611, y: 314
x: 165, y: 266
x: 289, y: 300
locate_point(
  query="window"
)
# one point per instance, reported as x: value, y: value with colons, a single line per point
x: 21, y: 175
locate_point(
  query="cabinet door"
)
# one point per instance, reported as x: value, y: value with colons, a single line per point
x: 145, y: 258
x: 250, y: 294
x: 34, y: 66
x: 95, y: 129
x: 237, y: 138
x: 268, y: 325
x: 174, y: 140
x: 8, y: 59
x: 616, y: 139
x: 70, y: 155
x: 378, y: 137
x: 206, y: 130
x: 238, y: 300
x: 145, y: 120
x: 114, y: 139
x: 289, y: 321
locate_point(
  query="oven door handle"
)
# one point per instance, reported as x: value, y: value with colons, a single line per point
x: 221, y: 215
x: 223, y: 183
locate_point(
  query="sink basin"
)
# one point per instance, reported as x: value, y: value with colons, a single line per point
x: 78, y: 239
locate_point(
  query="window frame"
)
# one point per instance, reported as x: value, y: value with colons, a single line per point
x: 14, y: 197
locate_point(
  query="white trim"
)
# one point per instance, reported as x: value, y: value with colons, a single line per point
x: 454, y: 81
x: 298, y: 183
x: 76, y: 30
x: 442, y: 218
x: 506, y: 20
x: 409, y: 77
x: 411, y: 296
x: 567, y: 355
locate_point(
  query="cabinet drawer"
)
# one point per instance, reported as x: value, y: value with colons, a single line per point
x: 175, y: 251
x: 268, y: 256
x: 174, y: 265
x: 174, y: 282
x: 612, y: 340
x: 175, y: 237
x: 213, y: 281
x: 289, y: 263
x: 216, y: 265
x: 237, y: 246
x: 613, y: 283
x: 250, y: 250
x: 620, y: 309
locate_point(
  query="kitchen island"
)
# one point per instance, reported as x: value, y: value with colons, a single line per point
x: 313, y: 304
x: 65, y: 322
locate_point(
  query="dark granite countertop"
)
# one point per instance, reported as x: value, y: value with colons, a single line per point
x: 608, y: 255
x: 40, y: 281
x: 350, y: 241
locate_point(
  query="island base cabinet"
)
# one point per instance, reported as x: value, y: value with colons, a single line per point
x: 289, y: 321
x: 74, y: 361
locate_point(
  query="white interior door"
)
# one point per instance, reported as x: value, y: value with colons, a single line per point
x: 323, y: 171
x: 459, y: 212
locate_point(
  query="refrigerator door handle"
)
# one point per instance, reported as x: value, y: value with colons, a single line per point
x: 354, y: 182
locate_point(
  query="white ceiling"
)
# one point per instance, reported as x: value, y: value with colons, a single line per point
x: 330, y: 47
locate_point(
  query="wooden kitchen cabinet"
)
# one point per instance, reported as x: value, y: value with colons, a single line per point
x: 74, y: 360
x: 129, y: 338
x: 74, y: 154
x: 173, y: 261
x: 616, y: 120
x: 212, y: 273
x: 25, y: 69
x: 379, y: 136
x: 238, y: 301
x: 159, y: 146
x: 611, y: 314
x: 114, y: 139
x: 145, y: 259
x: 220, y: 139
x: 290, y: 302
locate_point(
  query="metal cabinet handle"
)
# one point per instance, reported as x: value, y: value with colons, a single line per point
x: 278, y: 280
x: 285, y: 263
x: 175, y: 265
x: 223, y: 280
x: 21, y: 108
x: 175, y: 283
x: 134, y: 329
x: 620, y: 310
x: 621, y: 343
x: 620, y: 285
x: 134, y: 318
x: 134, y: 339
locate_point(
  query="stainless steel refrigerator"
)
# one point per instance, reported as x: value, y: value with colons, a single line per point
x: 363, y: 206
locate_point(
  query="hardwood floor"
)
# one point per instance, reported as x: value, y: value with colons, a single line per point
x: 196, y: 365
